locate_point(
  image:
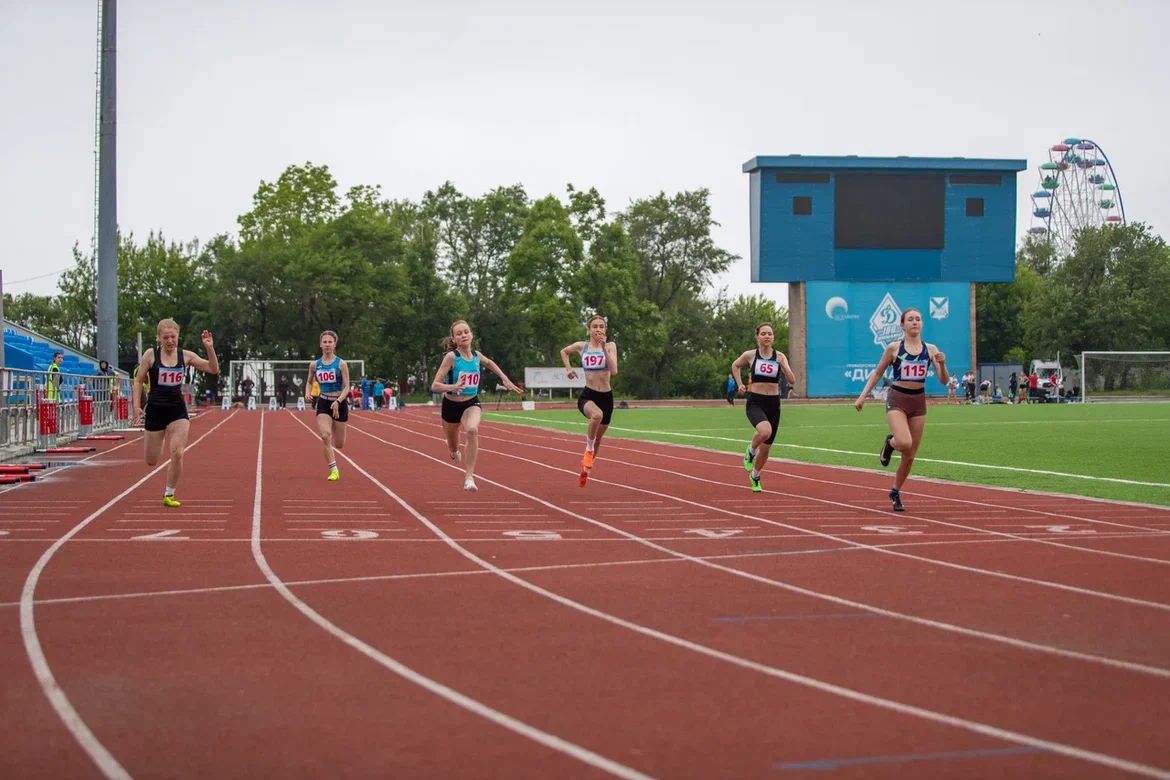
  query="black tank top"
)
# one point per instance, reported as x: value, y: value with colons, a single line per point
x: 166, y: 382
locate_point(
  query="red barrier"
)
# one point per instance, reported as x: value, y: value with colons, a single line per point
x: 122, y: 408
x: 85, y: 410
x: 47, y: 417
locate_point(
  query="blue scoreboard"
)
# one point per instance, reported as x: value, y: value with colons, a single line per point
x: 861, y: 239
x: 859, y: 219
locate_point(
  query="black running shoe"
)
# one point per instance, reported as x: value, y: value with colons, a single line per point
x: 896, y: 498
x: 887, y: 450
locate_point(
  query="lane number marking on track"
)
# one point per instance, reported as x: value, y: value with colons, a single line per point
x: 169, y: 535
x: 534, y: 536
x: 346, y: 533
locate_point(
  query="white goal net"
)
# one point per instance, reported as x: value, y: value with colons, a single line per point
x: 283, y: 380
x: 1125, y: 376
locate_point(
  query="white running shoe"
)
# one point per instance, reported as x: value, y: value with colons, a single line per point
x: 469, y: 485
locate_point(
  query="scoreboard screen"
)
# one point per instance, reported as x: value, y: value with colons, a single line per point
x: 890, y: 211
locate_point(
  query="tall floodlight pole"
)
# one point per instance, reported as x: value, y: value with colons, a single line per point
x: 107, y: 254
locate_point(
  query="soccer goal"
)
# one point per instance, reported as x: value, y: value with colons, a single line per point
x: 1125, y: 376
x: 283, y: 380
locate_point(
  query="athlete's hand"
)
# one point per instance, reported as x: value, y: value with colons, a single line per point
x: 940, y: 358
x: 208, y: 342
x: 515, y: 388
x: 335, y: 409
x: 571, y: 374
x: 740, y: 390
x: 860, y: 402
x: 138, y: 418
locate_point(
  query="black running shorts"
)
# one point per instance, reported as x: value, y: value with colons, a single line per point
x: 761, y: 408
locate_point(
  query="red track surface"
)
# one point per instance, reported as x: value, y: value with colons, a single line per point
x: 662, y: 621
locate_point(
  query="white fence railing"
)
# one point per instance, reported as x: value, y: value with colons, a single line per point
x: 38, y: 409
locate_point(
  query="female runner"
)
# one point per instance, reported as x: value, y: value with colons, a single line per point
x: 599, y: 361
x: 906, y: 401
x: 763, y: 397
x: 165, y: 413
x: 458, y: 380
x: 329, y: 374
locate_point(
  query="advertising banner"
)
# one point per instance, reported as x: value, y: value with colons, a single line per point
x: 850, y: 322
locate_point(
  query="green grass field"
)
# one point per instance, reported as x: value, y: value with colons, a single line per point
x: 1119, y: 451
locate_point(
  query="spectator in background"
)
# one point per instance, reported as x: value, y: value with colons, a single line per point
x: 53, y: 378
x: 729, y: 388
x: 1033, y: 386
x: 997, y: 396
x: 952, y: 389
x: 246, y: 389
x: 388, y: 396
x: 366, y: 393
x: 985, y: 391
x: 282, y: 390
x: 105, y: 370
x: 969, y: 386
x: 379, y: 390
x: 1022, y: 392
x: 1013, y: 384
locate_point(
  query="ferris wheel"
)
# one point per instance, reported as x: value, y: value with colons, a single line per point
x: 1077, y: 189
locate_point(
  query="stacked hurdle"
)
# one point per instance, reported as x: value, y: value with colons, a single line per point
x: 46, y: 419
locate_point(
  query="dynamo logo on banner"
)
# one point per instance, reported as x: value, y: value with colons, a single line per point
x: 886, y: 322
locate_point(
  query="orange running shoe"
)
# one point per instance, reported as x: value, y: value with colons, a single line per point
x: 587, y: 460
x: 582, y: 478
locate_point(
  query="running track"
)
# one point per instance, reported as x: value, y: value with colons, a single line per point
x: 662, y: 622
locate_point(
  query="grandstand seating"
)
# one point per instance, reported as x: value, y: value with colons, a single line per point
x: 24, y: 350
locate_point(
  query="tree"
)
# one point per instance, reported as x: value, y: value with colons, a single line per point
x: 1111, y: 293
x: 677, y: 256
x: 999, y: 313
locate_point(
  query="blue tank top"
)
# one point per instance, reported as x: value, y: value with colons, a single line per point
x: 465, y: 368
x: 328, y: 376
x: 592, y: 360
x: 766, y: 369
x: 911, y: 368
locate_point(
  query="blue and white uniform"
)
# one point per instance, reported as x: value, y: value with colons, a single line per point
x: 456, y: 402
x: 332, y: 388
x: 909, y: 370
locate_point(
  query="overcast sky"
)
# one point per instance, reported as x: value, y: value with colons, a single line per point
x: 629, y: 97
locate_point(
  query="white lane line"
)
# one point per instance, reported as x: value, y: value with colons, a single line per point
x: 884, y: 512
x: 514, y: 725
x: 1012, y: 641
x: 424, y: 575
x: 977, y: 727
x: 920, y: 459
x: 105, y: 761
